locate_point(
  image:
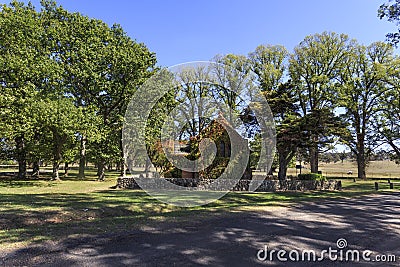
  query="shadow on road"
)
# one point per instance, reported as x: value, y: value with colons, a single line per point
x: 233, y: 239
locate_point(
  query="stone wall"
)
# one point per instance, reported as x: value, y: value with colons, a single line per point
x: 242, y: 185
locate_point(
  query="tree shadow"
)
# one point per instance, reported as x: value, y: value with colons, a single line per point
x: 222, y: 238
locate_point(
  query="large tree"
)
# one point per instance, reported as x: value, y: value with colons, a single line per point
x: 25, y: 68
x: 62, y: 58
x: 387, y: 121
x: 102, y: 69
x: 270, y: 65
x: 314, y: 67
x: 61, y: 118
x: 362, y: 85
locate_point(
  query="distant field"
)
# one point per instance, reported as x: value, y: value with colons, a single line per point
x: 375, y: 169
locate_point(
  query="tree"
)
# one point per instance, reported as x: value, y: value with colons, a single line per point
x: 362, y: 84
x: 391, y: 11
x: 52, y: 59
x: 343, y: 156
x: 102, y: 69
x: 25, y: 65
x: 270, y: 64
x: 387, y: 120
x: 61, y: 118
x: 313, y: 68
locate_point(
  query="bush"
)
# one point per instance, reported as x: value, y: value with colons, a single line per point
x: 7, y: 162
x: 173, y: 173
x: 311, y: 176
x: 216, y: 169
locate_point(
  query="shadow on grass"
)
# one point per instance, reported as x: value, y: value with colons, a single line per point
x: 21, y: 183
x: 46, y: 175
x: 38, y: 217
x: 231, y: 239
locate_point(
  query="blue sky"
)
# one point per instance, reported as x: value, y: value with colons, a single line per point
x: 180, y: 31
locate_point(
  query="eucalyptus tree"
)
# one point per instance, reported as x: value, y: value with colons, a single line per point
x: 314, y: 68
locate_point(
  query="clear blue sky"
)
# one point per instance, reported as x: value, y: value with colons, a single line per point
x: 181, y: 31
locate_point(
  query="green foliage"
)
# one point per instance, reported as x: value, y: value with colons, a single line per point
x: 314, y: 66
x: 68, y: 75
x: 391, y: 11
x: 173, y: 173
x: 363, y: 83
x: 216, y: 169
x: 311, y: 176
x: 269, y: 63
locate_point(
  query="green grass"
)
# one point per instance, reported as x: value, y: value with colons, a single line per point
x: 39, y: 210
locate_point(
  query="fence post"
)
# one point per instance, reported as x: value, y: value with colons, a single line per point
x: 391, y: 185
x: 376, y: 186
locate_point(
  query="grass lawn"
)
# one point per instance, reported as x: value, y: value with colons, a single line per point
x: 40, y: 210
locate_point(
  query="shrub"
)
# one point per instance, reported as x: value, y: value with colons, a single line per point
x: 7, y: 162
x: 311, y: 176
x: 216, y: 169
x: 173, y: 173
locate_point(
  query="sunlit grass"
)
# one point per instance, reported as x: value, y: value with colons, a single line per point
x: 38, y: 210
x: 375, y: 169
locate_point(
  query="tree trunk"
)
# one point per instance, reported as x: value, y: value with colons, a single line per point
x: 147, y: 167
x: 122, y: 163
x: 57, y: 148
x: 282, y: 170
x: 66, y: 169
x: 56, y: 169
x: 21, y: 156
x: 314, y: 158
x: 101, y: 170
x: 36, y: 169
x: 82, y: 158
x: 282, y: 166
x: 284, y: 156
x: 361, y: 161
x: 361, y: 168
x: 123, y: 168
